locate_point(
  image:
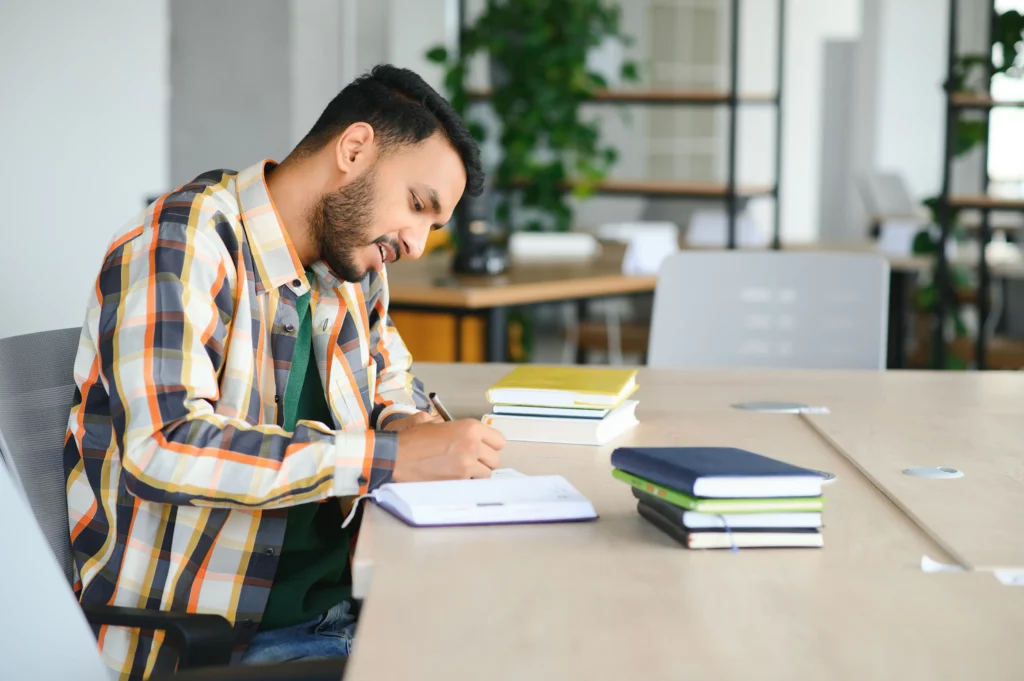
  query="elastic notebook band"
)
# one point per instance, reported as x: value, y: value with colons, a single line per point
x: 355, y: 507
x: 728, y: 532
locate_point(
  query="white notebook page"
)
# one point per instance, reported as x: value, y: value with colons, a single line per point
x: 502, y: 499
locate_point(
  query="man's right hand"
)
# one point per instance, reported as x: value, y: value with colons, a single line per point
x: 456, y: 450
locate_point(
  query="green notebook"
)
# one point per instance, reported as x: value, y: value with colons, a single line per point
x: 684, y: 500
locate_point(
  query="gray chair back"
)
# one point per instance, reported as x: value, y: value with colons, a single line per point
x: 43, y: 631
x: 770, y: 310
x: 37, y: 389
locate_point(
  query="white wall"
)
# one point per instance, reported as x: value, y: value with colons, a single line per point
x: 415, y: 26
x: 83, y: 138
x: 809, y: 23
x: 232, y: 85
x: 898, y: 107
x: 910, y: 107
x: 317, y: 39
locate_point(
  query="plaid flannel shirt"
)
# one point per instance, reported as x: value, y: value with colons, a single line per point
x: 178, y: 471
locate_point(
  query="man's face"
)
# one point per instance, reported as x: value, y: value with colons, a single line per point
x: 387, y: 211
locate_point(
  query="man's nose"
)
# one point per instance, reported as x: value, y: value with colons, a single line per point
x: 414, y: 242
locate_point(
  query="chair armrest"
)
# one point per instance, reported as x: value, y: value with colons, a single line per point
x: 308, y: 670
x: 202, y: 640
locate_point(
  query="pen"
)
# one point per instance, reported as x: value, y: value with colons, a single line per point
x: 436, y: 401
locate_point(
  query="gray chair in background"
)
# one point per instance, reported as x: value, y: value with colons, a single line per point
x: 770, y: 310
x: 37, y: 389
x: 44, y: 631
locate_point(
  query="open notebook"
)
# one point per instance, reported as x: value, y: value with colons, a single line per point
x: 506, y: 498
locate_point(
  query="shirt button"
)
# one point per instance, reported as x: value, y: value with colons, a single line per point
x: 296, y: 283
x: 269, y: 551
x: 289, y: 327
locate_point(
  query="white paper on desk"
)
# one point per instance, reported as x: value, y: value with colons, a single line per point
x: 647, y: 250
x: 507, y: 473
x: 932, y: 565
x: 709, y: 228
x: 1010, y: 577
x: 501, y: 499
x: 897, y: 236
x: 554, y: 246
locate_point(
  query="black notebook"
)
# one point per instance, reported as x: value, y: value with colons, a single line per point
x: 718, y: 472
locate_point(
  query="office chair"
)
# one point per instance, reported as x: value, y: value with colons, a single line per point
x: 770, y: 310
x: 36, y: 393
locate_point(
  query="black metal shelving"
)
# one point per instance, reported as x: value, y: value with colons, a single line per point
x: 729, y: 192
x: 948, y: 201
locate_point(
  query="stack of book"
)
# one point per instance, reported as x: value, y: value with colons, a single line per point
x: 563, y: 404
x: 720, y: 497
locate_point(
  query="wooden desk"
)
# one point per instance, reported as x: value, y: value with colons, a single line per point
x: 616, y: 599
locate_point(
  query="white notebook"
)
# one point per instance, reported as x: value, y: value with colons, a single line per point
x: 508, y: 498
x: 566, y: 431
x: 742, y: 521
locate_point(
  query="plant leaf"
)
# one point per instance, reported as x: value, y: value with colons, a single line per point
x: 437, y: 55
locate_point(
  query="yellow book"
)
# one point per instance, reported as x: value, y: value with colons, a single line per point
x: 564, y: 386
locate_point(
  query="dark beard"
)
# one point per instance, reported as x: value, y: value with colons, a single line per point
x: 340, y: 225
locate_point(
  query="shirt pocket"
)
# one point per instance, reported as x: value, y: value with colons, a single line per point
x: 353, y: 395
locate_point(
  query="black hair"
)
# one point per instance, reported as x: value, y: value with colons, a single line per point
x: 402, y: 110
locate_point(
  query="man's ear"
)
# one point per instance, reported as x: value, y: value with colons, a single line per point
x: 353, y: 147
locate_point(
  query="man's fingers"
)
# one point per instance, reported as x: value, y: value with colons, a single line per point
x: 491, y: 437
x: 489, y: 457
x: 411, y: 421
x: 479, y: 470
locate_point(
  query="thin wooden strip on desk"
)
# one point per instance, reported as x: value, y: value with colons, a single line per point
x: 652, y: 187
x: 985, y: 201
x: 658, y: 96
x: 982, y: 100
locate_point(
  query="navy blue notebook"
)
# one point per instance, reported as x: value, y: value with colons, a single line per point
x: 718, y: 472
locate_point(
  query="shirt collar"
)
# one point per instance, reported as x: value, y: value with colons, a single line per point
x: 276, y: 261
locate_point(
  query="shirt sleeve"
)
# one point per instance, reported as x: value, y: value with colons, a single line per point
x: 399, y: 393
x: 167, y: 314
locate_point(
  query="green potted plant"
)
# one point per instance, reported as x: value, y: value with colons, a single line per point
x: 538, y: 53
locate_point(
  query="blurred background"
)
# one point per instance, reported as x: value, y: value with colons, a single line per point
x: 615, y: 133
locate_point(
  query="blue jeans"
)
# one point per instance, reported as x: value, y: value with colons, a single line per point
x: 329, y: 635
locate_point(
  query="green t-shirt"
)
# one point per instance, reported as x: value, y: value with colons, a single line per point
x: 313, y: 570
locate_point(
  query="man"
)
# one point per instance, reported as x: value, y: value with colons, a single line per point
x: 240, y: 380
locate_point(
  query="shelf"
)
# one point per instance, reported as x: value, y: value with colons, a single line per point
x: 660, y: 96
x: 1001, y: 353
x: 983, y: 201
x: 981, y: 100
x: 675, y: 188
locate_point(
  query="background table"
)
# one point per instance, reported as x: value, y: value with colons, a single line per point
x: 454, y: 312
x: 617, y: 599
x: 461, y: 318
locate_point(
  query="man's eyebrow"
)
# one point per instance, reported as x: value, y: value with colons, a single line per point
x: 435, y: 200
